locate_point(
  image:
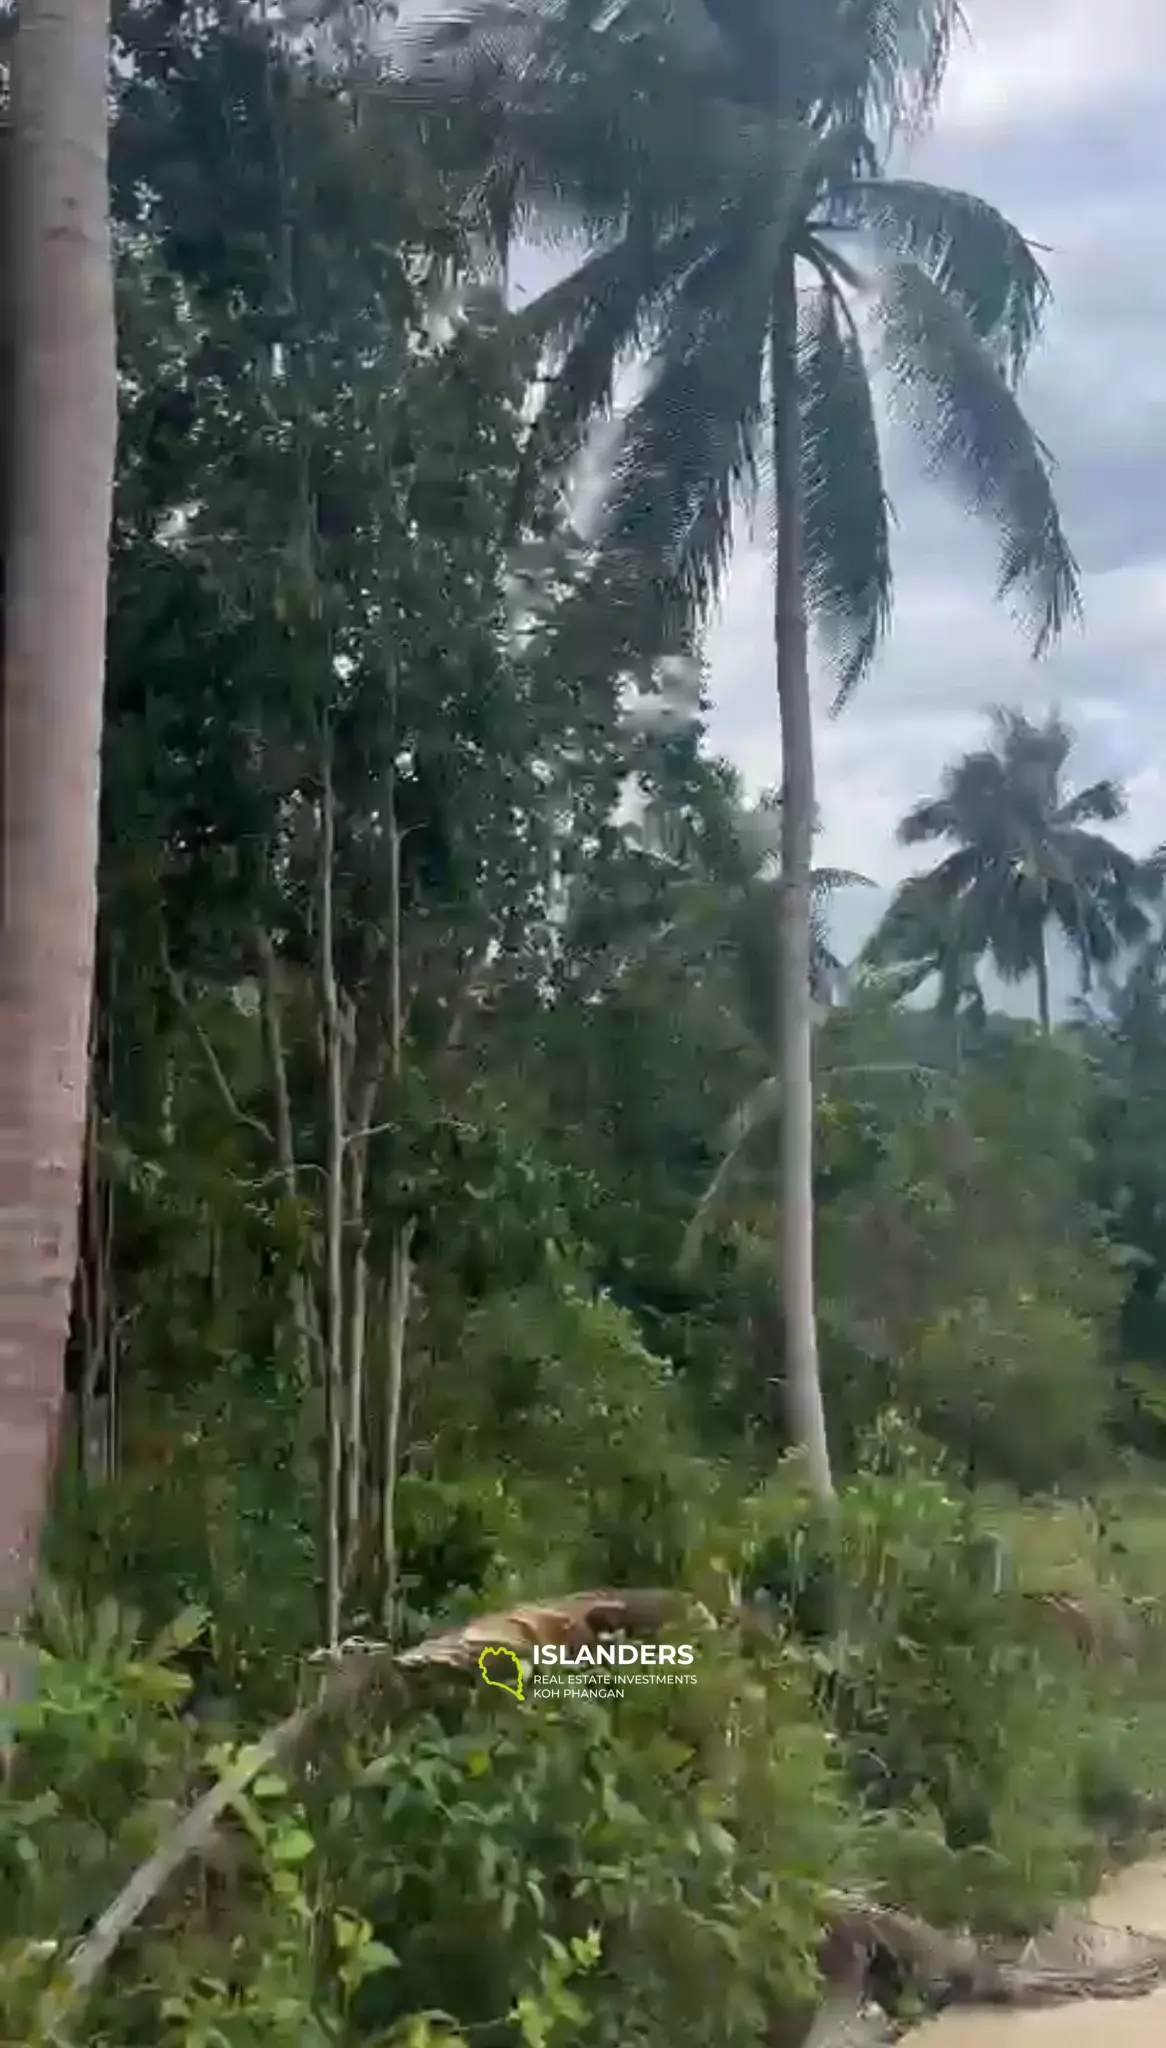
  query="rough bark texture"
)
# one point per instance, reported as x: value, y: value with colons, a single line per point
x: 796, y: 1192
x: 58, y: 496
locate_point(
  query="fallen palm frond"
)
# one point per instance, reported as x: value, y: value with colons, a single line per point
x: 582, y: 1620
x: 956, y: 1969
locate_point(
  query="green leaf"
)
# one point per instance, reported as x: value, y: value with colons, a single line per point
x: 178, y: 1635
x: 292, y: 1846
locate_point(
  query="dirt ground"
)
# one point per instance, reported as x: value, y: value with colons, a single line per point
x: 1137, y: 1899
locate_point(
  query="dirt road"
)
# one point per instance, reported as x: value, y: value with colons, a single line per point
x: 1136, y: 1899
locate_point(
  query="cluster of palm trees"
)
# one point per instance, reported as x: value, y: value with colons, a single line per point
x: 748, y: 250
x: 1023, y: 863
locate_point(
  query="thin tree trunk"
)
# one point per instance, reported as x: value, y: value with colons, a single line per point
x: 302, y: 1304
x: 357, y: 1339
x: 400, y: 1261
x: 59, y: 492
x: 333, y: 1216
x: 357, y: 1321
x: 1042, y: 987
x: 400, y: 1294
x: 95, y: 1318
x: 807, y: 1419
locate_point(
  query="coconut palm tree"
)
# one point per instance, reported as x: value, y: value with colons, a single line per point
x: 1023, y: 859
x: 918, y: 941
x: 61, y: 443
x: 755, y: 263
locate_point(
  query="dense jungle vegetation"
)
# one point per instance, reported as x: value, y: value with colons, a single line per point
x: 443, y: 1056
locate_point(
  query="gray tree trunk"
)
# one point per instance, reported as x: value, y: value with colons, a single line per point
x: 59, y: 490
x: 807, y: 1420
x: 1042, y: 987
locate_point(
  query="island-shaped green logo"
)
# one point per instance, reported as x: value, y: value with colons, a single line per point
x: 513, y: 1685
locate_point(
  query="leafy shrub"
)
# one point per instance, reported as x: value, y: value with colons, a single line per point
x: 960, y: 1733
x: 692, y: 1830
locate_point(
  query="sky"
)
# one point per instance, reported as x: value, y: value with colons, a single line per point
x: 1055, y: 112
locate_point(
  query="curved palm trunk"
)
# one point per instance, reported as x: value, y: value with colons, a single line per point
x: 807, y: 1418
x: 1041, y: 965
x: 59, y: 488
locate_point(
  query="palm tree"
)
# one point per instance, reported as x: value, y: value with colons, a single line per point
x: 1023, y: 860
x: 755, y: 264
x: 919, y: 941
x: 61, y: 440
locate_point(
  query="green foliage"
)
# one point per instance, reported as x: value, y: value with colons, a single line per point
x: 960, y: 1734
x: 374, y: 715
x: 583, y: 1823
x: 967, y: 1267
x: 468, y: 1867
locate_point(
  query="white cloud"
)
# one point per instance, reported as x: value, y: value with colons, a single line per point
x: 1048, y: 58
x: 1057, y: 115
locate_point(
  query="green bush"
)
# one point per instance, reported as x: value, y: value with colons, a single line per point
x: 692, y: 1832
x: 457, y: 1873
x: 960, y: 1735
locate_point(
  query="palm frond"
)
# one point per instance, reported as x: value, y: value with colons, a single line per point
x: 594, y: 321
x: 1104, y: 801
x: 1093, y: 860
x: 966, y: 246
x: 846, y: 513
x: 891, y: 57
x: 750, y: 1116
x: 573, y: 1622
x: 560, y: 315
x: 924, y: 898
x: 934, y: 928
x: 556, y: 103
x: 960, y: 404
x: 827, y: 881
x: 931, y: 818
x: 758, y: 1109
x: 687, y: 454
x: 1032, y: 755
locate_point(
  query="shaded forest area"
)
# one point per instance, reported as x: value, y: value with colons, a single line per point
x: 442, y: 1062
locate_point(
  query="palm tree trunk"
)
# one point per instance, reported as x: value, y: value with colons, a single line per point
x: 807, y: 1418
x: 1042, y: 987
x: 60, y: 481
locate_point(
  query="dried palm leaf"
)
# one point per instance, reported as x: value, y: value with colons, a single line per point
x: 582, y: 1620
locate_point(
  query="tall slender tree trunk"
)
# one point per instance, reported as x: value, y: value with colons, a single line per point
x: 400, y: 1261
x: 355, y: 1393
x: 1042, y: 987
x: 58, y: 499
x: 807, y: 1418
x: 333, y: 1215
